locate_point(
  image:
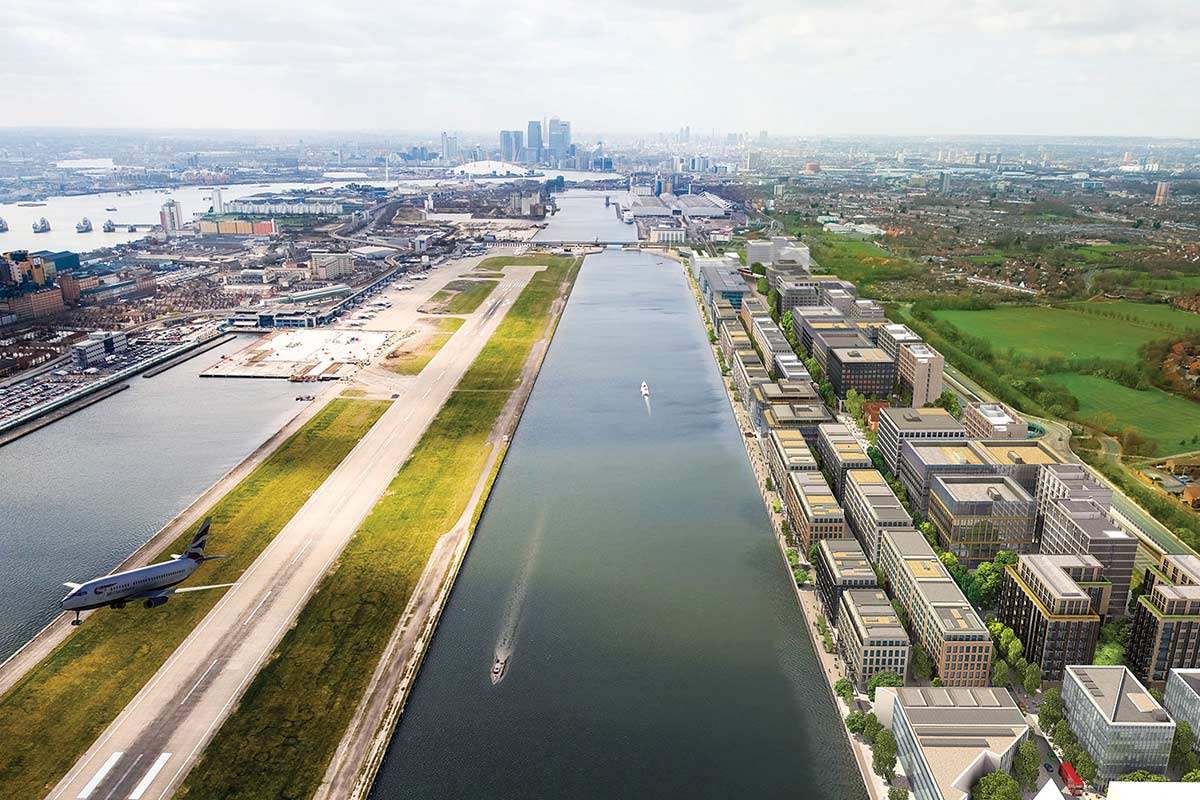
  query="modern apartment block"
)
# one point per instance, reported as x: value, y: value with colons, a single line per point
x: 813, y: 510
x: 839, y: 452
x: 922, y: 370
x: 787, y: 452
x: 871, y: 638
x: 1054, y: 605
x: 897, y: 425
x: 840, y: 566
x: 977, y: 516
x: 871, y: 507
x: 1069, y: 481
x: 993, y: 421
x: 1083, y: 527
x: 1182, y: 698
x: 1166, y: 619
x: 943, y: 622
x: 1116, y: 720
x: 891, y: 337
x: 947, y: 739
x: 867, y: 370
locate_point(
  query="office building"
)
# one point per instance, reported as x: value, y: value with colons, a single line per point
x: 840, y: 566
x: 891, y: 337
x: 1182, y: 699
x: 921, y: 372
x: 1022, y: 460
x: 898, y: 425
x: 534, y: 140
x: 326, y: 265
x: 867, y: 370
x: 218, y: 204
x: 872, y: 507
x: 813, y: 510
x: 782, y: 392
x: 839, y: 451
x: 977, y: 516
x: 993, y: 421
x: 871, y: 638
x: 1071, y: 482
x: 1083, y: 527
x: 947, y: 739
x: 559, y: 133
x: 803, y: 417
x: 941, y: 619
x: 1118, y: 722
x: 787, y: 452
x: 98, y: 345
x: 1054, y: 605
x: 1166, y: 619
x: 922, y: 460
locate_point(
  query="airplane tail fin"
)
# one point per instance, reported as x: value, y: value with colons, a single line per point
x: 195, y: 550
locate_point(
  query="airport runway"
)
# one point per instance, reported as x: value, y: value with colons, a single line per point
x: 147, y: 751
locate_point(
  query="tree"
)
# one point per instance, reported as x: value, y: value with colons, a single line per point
x: 1015, y: 650
x: 1061, y: 735
x: 871, y: 728
x: 801, y: 575
x: 1033, y: 678
x: 855, y: 721
x: 1007, y: 635
x: 1026, y: 763
x: 922, y: 664
x: 1191, y: 777
x: 1000, y: 674
x: 1085, y: 766
x: 897, y: 793
x: 883, y: 755
x: 949, y: 401
x: 996, y: 786
x: 1141, y: 776
x: 1181, y: 745
x: 813, y: 552
x: 758, y: 269
x: 884, y: 678
x: 844, y: 690
x: 1051, y: 709
x: 763, y: 286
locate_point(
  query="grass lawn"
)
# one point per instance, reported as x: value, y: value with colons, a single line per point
x: 860, y: 261
x: 50, y: 718
x: 461, y: 297
x: 1157, y: 315
x: 1165, y: 419
x: 281, y: 738
x: 410, y: 359
x: 1043, y: 331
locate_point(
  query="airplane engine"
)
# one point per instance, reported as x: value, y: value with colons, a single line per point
x: 154, y: 602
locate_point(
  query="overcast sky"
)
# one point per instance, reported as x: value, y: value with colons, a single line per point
x: 806, y: 67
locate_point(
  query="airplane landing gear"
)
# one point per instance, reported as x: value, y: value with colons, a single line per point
x: 77, y: 620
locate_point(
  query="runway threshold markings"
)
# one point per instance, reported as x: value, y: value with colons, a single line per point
x: 105, y: 768
x: 149, y: 777
x: 124, y: 775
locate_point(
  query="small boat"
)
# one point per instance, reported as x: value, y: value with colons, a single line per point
x: 41, y: 226
x: 3, y: 226
x: 110, y: 209
x: 132, y: 229
x: 31, y: 205
x: 645, y: 389
x: 109, y: 226
x: 498, y: 668
x: 83, y: 226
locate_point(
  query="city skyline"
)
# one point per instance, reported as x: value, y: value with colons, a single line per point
x: 1006, y: 67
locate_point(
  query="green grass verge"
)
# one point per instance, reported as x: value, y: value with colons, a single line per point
x: 461, y: 297
x: 50, y: 718
x: 279, y: 741
x: 1169, y: 421
x: 406, y: 360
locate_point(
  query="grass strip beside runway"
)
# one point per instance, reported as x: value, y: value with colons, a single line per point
x: 410, y: 360
x: 283, y: 734
x: 50, y: 718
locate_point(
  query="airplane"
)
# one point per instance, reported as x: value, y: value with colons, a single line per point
x: 153, y: 584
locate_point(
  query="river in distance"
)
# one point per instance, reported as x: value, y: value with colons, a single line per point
x: 82, y: 493
x: 625, y: 569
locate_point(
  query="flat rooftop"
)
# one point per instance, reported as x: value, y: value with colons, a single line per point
x: 1010, y: 451
x: 793, y: 450
x: 1049, y: 571
x: 995, y: 413
x: 1092, y: 519
x: 935, y: 452
x: 860, y: 355
x: 802, y: 413
x: 922, y: 419
x: 885, y: 507
x: 1118, y: 695
x: 981, y: 488
x: 815, y: 495
x: 847, y: 560
x: 872, y: 608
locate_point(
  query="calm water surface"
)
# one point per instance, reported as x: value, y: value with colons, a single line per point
x: 81, y: 494
x: 626, y: 565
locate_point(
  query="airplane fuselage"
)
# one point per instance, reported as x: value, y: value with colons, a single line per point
x: 133, y: 584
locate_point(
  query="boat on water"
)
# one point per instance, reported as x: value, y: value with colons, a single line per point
x: 31, y: 205
x: 110, y: 209
x: 41, y: 226
x: 83, y: 226
x: 645, y: 389
x: 109, y: 226
x: 3, y: 226
x: 499, y: 667
x: 132, y: 229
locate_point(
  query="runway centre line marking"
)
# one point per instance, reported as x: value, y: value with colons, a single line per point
x: 149, y: 777
x: 256, y: 608
x: 105, y: 768
x: 299, y: 553
x: 120, y: 780
x: 199, y: 681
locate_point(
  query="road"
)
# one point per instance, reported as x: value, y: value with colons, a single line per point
x: 147, y: 751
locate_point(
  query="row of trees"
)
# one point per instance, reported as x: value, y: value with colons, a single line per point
x: 881, y: 740
x: 1010, y: 664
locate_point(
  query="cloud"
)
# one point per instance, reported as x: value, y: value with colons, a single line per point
x: 799, y: 66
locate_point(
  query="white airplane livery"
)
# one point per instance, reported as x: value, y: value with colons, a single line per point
x: 152, y: 584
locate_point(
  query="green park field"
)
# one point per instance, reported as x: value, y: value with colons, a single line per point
x: 1169, y: 421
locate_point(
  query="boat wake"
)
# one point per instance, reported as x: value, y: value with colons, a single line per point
x: 515, y: 607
